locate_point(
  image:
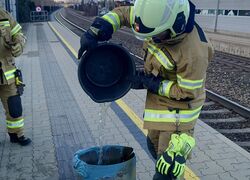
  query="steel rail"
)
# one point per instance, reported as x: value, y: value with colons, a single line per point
x: 241, y: 110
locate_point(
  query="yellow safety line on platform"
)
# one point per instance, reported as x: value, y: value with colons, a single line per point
x: 63, y: 40
x: 131, y: 114
x: 189, y: 174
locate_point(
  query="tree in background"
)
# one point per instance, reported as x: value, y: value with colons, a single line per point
x: 23, y: 10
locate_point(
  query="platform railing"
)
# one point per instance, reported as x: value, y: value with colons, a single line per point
x: 39, y: 16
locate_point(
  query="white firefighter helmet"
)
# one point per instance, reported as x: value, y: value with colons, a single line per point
x: 152, y: 17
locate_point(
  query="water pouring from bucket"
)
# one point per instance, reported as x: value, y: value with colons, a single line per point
x: 101, y: 125
x: 104, y: 74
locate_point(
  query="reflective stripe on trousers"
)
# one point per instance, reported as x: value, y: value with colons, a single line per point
x: 170, y: 116
x: 15, y: 123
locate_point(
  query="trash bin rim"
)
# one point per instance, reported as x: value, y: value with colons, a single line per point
x: 82, y: 151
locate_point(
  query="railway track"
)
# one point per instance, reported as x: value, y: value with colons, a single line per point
x: 230, y: 60
x: 227, y: 117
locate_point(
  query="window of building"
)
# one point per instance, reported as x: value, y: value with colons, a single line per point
x: 244, y: 12
x: 223, y: 12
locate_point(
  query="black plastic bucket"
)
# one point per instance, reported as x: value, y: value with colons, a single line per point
x: 104, y: 72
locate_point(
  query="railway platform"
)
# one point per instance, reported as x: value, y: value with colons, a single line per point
x: 61, y: 119
x: 229, y: 43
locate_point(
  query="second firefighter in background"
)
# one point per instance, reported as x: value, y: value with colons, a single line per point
x: 11, y: 87
x: 177, y: 53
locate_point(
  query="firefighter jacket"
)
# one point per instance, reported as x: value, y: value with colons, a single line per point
x: 183, y: 67
x: 12, y: 36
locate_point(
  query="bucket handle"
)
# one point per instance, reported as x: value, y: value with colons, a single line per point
x: 80, y: 167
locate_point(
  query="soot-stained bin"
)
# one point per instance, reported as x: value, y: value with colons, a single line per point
x: 115, y: 163
x: 104, y: 72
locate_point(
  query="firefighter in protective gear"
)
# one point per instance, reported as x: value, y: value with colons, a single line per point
x: 11, y: 86
x: 177, y: 53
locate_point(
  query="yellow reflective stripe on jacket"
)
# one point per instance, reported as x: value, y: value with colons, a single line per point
x: 160, y: 56
x: 189, y: 84
x: 170, y: 116
x: 113, y: 19
x: 10, y: 74
x: 15, y: 124
x: 16, y: 29
x: 165, y: 87
x: 5, y: 23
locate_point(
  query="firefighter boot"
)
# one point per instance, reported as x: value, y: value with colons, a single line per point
x: 23, y: 141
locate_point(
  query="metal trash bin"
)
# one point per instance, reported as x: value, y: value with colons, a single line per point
x: 117, y: 163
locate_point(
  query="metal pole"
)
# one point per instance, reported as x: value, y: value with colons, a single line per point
x: 113, y: 4
x: 105, y: 3
x: 7, y: 5
x: 216, y: 16
x: 17, y: 9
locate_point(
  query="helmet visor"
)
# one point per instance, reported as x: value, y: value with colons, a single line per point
x: 139, y: 27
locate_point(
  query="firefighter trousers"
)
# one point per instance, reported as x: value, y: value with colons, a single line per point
x: 158, y: 141
x: 12, y: 105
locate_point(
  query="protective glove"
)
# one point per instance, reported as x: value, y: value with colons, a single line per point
x: 170, y: 165
x: 188, y: 143
x: 164, y: 163
x: 178, y: 167
x: 88, y: 41
x: 3, y: 31
x: 175, y: 143
x: 16, y: 50
x: 181, y: 143
x: 100, y: 30
x: 136, y: 80
x: 148, y: 81
x: 172, y: 162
